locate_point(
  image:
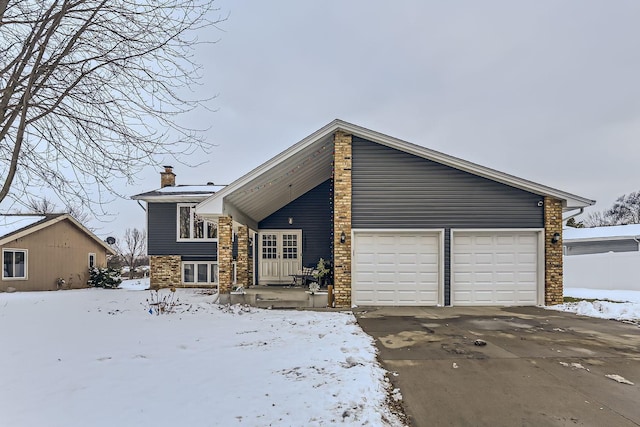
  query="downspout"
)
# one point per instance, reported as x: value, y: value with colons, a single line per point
x: 140, y: 204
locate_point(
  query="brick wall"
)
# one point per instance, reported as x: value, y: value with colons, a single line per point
x: 342, y: 218
x: 242, y: 278
x: 225, y: 254
x: 165, y: 271
x: 553, y: 292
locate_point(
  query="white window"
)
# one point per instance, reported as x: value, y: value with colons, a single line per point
x: 204, y: 272
x: 200, y: 272
x: 92, y: 260
x: 14, y: 264
x: 192, y: 227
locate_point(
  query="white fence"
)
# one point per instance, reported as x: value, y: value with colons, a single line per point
x: 611, y: 271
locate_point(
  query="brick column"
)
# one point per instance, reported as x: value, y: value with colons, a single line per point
x: 243, y: 257
x: 250, y: 257
x: 342, y: 219
x: 165, y: 271
x: 225, y: 254
x: 553, y: 291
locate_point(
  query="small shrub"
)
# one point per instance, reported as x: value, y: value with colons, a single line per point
x: 162, y: 304
x: 108, y: 278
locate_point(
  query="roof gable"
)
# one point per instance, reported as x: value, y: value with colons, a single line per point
x: 307, y: 163
x: 30, y: 225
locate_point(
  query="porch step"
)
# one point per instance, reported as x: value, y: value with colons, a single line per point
x: 296, y: 300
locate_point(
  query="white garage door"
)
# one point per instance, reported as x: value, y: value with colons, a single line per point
x: 392, y: 268
x: 494, y: 268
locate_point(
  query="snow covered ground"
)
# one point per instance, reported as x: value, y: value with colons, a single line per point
x: 97, y: 357
x: 620, y: 305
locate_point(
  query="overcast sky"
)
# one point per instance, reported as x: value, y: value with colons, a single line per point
x: 544, y: 90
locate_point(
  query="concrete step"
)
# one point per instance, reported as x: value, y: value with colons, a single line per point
x: 298, y: 300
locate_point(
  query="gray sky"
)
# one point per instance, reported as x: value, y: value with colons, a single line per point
x: 545, y: 90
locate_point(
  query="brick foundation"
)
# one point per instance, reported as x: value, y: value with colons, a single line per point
x: 165, y: 271
x: 342, y: 219
x: 553, y: 291
x: 225, y: 254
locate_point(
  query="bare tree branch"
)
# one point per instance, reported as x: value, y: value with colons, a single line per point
x: 91, y: 91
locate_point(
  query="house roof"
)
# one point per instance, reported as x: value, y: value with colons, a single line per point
x: 179, y: 193
x: 307, y: 164
x: 16, y: 226
x: 614, y: 232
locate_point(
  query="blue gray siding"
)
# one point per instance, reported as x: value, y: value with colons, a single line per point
x: 394, y: 189
x: 311, y: 213
x: 162, y: 232
x: 583, y: 248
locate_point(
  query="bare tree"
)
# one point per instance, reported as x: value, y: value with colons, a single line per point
x: 91, y: 91
x: 133, y: 247
x: 625, y: 210
x: 45, y: 206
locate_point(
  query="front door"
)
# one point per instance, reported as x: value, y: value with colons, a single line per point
x: 279, y: 255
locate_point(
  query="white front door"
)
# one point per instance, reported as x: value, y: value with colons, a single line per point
x: 279, y: 255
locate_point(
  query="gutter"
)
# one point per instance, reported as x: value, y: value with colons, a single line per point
x: 574, y: 215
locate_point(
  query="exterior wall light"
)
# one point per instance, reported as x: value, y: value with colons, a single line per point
x: 556, y: 238
x: 343, y: 237
x: 290, y: 220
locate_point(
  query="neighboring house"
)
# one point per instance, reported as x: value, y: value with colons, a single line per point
x: 400, y: 223
x: 598, y: 240
x: 48, y: 252
x: 602, y: 257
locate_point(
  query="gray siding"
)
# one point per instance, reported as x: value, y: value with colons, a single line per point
x: 583, y: 248
x: 162, y: 231
x: 393, y: 189
x: 311, y: 213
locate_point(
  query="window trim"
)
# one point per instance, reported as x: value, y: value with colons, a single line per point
x: 26, y: 263
x: 192, y: 206
x: 234, y: 273
x: 95, y: 259
x: 195, y: 272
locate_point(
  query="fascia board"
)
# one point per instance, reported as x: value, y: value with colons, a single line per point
x: 215, y: 201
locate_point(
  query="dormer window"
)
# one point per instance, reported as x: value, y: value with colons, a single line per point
x: 192, y: 227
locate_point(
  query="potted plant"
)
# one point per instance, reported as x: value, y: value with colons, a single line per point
x: 322, y: 272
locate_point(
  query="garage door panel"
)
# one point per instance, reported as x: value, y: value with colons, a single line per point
x: 395, y: 268
x: 494, y: 268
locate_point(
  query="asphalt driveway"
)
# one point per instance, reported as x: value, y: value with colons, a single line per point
x: 537, y: 368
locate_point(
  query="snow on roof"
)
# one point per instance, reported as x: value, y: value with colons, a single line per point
x: 613, y: 232
x: 12, y: 223
x: 190, y: 189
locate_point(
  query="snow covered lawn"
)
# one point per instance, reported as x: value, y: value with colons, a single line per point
x: 620, y: 305
x: 98, y: 358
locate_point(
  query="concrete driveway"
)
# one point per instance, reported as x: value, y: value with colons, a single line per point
x: 537, y: 368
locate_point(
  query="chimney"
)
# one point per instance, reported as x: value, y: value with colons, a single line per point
x: 167, y: 178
